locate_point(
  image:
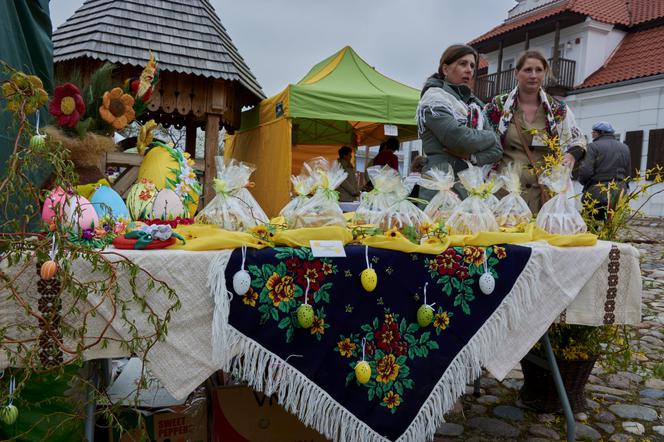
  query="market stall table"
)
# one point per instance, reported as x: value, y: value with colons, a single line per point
x: 417, y: 373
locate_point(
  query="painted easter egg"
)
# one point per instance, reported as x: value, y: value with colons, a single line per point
x: 305, y: 315
x: 38, y: 142
x: 79, y: 214
x: 369, y: 279
x: 140, y: 199
x: 168, y: 168
x: 47, y: 270
x: 363, y: 372
x: 241, y: 282
x: 108, y: 203
x: 55, y: 199
x: 9, y: 414
x: 424, y: 315
x: 487, y: 283
x: 167, y: 205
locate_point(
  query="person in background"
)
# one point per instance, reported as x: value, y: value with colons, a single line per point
x: 450, y: 120
x: 528, y: 108
x: 416, y: 168
x: 386, y: 156
x: 606, y: 160
x: 349, y: 190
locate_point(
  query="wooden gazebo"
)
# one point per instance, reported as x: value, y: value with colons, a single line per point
x: 204, y: 82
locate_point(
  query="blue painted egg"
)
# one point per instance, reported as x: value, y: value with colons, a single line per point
x: 108, y: 203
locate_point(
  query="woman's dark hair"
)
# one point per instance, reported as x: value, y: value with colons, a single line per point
x: 453, y: 53
x: 392, y: 144
x: 344, y: 150
x: 532, y: 53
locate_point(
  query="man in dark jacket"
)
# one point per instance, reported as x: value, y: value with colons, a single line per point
x: 606, y: 160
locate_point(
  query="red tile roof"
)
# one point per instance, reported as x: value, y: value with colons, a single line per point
x: 484, y: 63
x: 640, y: 54
x: 607, y: 11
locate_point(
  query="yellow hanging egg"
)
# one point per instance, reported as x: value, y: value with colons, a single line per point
x: 305, y: 315
x: 167, y: 168
x: 140, y: 200
x: 8, y: 414
x: 363, y: 372
x: 425, y: 315
x: 369, y: 279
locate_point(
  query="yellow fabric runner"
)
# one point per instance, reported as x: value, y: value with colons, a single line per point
x: 210, y: 237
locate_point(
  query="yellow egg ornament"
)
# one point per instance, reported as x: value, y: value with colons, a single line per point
x: 305, y: 316
x: 363, y: 372
x: 368, y: 276
x: 425, y: 313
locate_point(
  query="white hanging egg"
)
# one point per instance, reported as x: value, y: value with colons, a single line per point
x: 167, y: 205
x: 487, y: 283
x: 241, y: 282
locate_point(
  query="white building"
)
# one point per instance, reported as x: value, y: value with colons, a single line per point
x: 609, y: 66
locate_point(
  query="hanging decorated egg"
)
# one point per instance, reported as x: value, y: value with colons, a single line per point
x: 425, y: 315
x: 305, y: 316
x: 168, y: 168
x: 48, y: 270
x: 79, y: 214
x: 487, y: 283
x: 9, y: 414
x: 108, y: 203
x: 55, y: 199
x: 363, y: 372
x: 241, y: 282
x: 38, y: 141
x: 369, y: 279
x: 167, y: 205
x: 140, y: 199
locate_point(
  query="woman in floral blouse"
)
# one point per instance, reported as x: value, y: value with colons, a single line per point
x: 527, y: 109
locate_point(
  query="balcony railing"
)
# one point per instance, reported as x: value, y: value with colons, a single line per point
x: 485, y: 85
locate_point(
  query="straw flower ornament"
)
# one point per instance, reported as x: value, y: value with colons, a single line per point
x: 67, y: 105
x: 117, y: 108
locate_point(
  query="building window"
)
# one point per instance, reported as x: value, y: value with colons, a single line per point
x: 508, y: 64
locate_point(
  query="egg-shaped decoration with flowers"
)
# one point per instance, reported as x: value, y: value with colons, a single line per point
x: 79, y: 214
x: 171, y: 168
x: 167, y: 205
x: 140, y: 199
x: 108, y: 203
x: 53, y: 204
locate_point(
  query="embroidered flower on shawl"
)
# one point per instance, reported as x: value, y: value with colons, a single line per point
x: 250, y: 297
x: 318, y: 327
x: 387, y: 369
x: 441, y: 321
x: 473, y: 255
x: 499, y: 252
x: 448, y: 262
x: 346, y: 347
x: 388, y: 336
x: 311, y: 270
x: 462, y: 274
x: 327, y: 268
x: 281, y: 288
x: 392, y: 399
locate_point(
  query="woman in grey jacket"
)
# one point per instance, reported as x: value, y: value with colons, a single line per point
x: 450, y: 118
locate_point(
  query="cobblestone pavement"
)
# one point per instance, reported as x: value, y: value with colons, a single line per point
x: 621, y: 406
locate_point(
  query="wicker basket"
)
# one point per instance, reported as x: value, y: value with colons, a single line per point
x: 539, y: 391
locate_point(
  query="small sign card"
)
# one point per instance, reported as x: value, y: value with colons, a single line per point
x: 391, y: 130
x: 327, y: 248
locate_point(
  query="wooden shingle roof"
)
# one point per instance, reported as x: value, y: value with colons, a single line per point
x: 186, y: 36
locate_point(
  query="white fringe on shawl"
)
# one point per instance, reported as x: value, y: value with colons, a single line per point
x: 222, y: 303
x: 438, y: 98
x: 267, y: 372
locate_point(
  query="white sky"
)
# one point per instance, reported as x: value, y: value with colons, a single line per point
x: 282, y: 39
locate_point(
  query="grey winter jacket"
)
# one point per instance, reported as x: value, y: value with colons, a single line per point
x: 450, y: 140
x: 606, y: 159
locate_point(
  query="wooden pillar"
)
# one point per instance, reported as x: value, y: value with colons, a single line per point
x: 190, y: 141
x: 211, y: 148
x: 496, y: 86
x: 526, y: 44
x: 556, y: 53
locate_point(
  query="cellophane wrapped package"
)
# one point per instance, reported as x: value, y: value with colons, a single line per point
x: 473, y: 215
x: 234, y: 207
x: 512, y: 210
x: 402, y: 212
x: 322, y: 209
x: 386, y: 181
x: 303, y: 187
x: 493, y: 185
x: 561, y: 213
x: 443, y: 203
